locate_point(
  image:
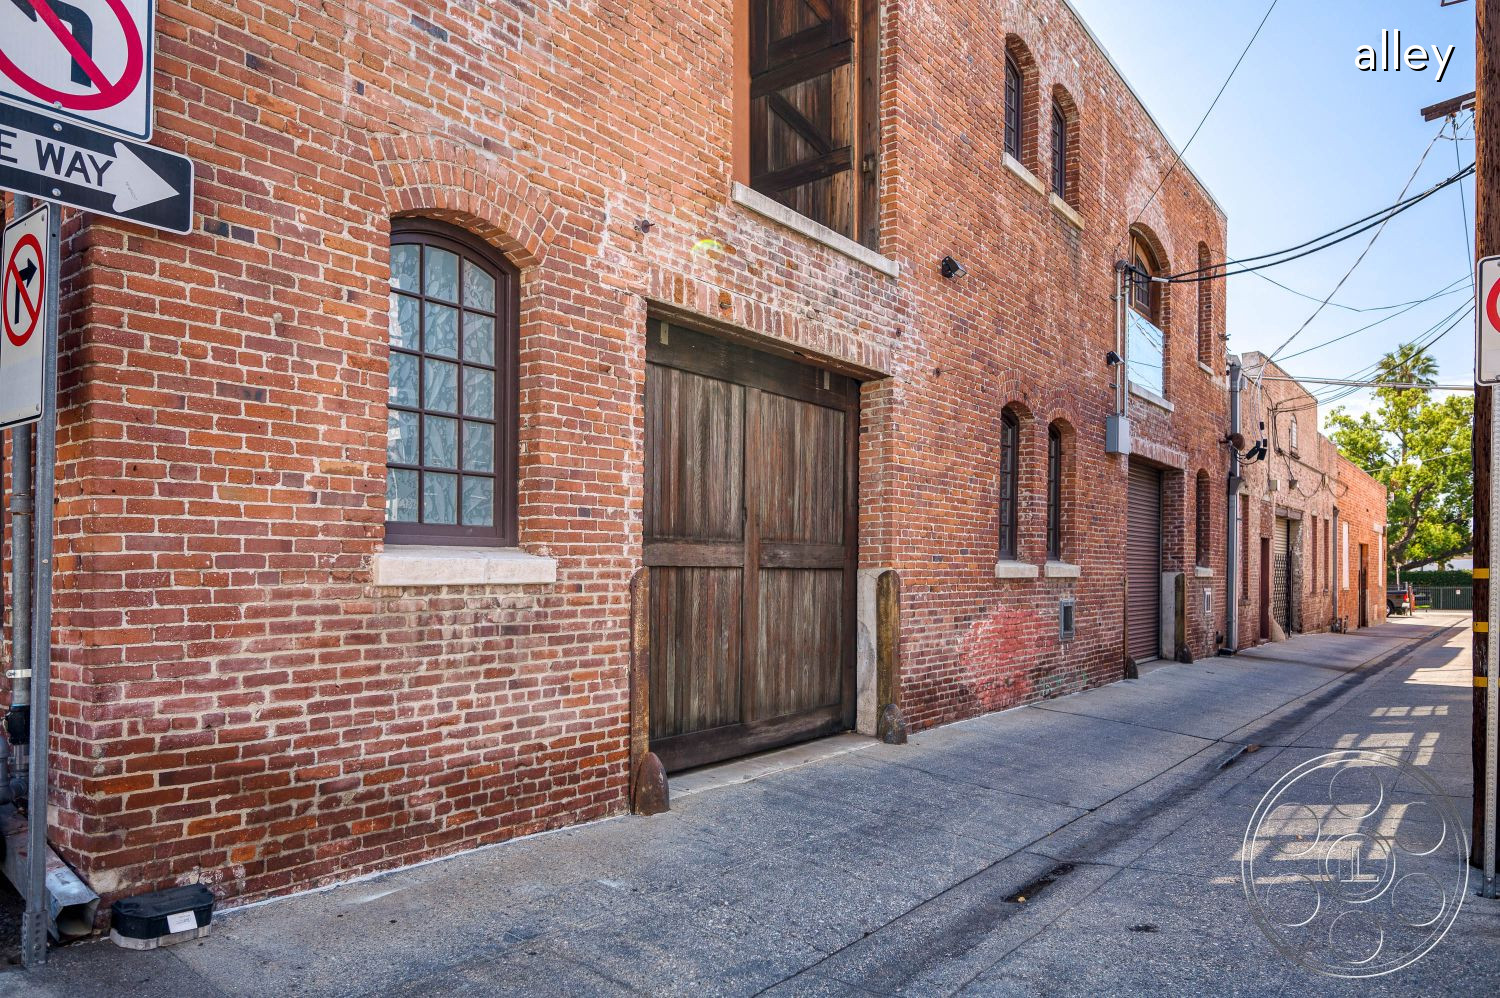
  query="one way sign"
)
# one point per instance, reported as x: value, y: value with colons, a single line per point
x: 57, y: 161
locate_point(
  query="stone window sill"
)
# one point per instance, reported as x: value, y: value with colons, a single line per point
x: 1208, y: 370
x: 774, y: 210
x: 1203, y: 571
x: 1015, y: 570
x: 1014, y: 166
x: 440, y: 565
x: 1065, y: 211
x: 1062, y: 570
x: 1146, y: 395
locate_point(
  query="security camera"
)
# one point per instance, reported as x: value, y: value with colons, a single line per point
x: 1113, y: 359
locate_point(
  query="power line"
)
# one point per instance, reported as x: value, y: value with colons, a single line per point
x: 1376, y: 218
x: 1368, y: 384
x: 1183, y: 151
x: 1447, y: 290
x: 1356, y: 308
x: 1366, y: 251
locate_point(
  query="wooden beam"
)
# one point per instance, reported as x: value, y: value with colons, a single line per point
x: 787, y: 178
x: 1451, y: 106
x: 802, y: 69
x: 797, y: 121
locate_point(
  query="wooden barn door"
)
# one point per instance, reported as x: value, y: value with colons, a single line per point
x: 1143, y: 563
x: 750, y: 526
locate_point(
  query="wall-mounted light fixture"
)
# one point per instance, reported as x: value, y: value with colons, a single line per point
x: 951, y: 268
x: 1113, y: 359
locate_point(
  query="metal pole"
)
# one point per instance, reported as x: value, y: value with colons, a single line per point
x: 1232, y: 549
x: 1492, y: 667
x: 34, y: 924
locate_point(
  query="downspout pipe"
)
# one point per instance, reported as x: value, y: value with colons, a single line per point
x: 71, y: 904
x: 1233, y: 554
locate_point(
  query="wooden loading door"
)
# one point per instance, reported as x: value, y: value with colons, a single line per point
x: 750, y: 522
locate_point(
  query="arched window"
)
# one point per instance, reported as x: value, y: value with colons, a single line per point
x: 1010, y: 447
x: 1205, y: 310
x: 1059, y: 153
x: 451, y: 444
x: 1204, y: 533
x: 1014, y: 126
x: 1143, y: 296
x: 1146, y: 342
x: 1054, y: 492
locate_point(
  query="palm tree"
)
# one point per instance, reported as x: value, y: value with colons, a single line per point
x: 1408, y: 364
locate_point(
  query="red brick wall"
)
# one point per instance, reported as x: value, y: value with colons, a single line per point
x: 240, y: 704
x: 1312, y: 483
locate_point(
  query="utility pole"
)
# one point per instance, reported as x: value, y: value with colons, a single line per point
x: 1486, y: 243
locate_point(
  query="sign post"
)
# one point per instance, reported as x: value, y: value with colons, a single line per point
x: 1487, y: 372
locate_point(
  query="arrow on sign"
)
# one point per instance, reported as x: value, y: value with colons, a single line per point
x: 131, y: 182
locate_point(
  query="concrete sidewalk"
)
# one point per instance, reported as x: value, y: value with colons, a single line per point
x: 851, y: 867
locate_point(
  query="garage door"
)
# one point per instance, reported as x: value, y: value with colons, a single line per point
x: 1143, y: 563
x: 1281, y: 577
x: 750, y: 537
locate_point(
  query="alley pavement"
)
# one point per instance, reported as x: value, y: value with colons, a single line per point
x: 1087, y: 844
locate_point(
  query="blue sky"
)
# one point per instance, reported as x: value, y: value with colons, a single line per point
x: 1303, y: 142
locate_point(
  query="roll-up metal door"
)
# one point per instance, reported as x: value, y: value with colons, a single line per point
x: 1143, y: 563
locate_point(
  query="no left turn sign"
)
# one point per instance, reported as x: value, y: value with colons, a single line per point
x: 89, y: 60
x: 24, y: 316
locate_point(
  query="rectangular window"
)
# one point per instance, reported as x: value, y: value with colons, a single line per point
x: 450, y: 443
x: 1010, y: 434
x: 1327, y: 554
x: 814, y: 105
x: 1059, y: 154
x: 1054, y: 493
x: 1315, y: 554
x: 1244, y: 553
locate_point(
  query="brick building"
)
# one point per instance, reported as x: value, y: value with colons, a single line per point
x: 1313, y: 524
x: 490, y: 306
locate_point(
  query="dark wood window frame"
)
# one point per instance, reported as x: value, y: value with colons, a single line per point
x: 501, y: 531
x: 1015, y: 128
x: 1143, y: 296
x: 1010, y: 447
x: 1054, y: 492
x: 1060, y: 153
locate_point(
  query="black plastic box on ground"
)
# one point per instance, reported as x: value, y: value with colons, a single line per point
x: 162, y: 917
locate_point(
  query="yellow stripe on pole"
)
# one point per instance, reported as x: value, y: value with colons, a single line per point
x: 1480, y: 682
x: 1481, y: 627
x: 1481, y: 573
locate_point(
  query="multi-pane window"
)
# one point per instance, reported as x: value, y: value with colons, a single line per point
x: 1010, y: 446
x: 450, y: 450
x: 1059, y: 153
x: 1013, y: 125
x: 1146, y: 342
x: 1054, y: 492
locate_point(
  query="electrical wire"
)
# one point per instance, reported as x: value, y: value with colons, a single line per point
x: 1368, y: 246
x: 1201, y: 121
x: 1446, y: 290
x: 1356, y: 308
x: 1317, y: 243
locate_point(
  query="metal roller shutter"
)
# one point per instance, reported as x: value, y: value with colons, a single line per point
x: 1143, y: 563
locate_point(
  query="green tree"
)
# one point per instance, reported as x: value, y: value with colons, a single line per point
x: 1418, y: 447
